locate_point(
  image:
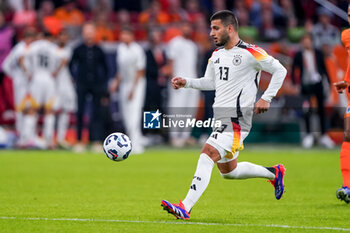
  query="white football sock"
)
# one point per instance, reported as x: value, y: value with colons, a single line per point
x: 19, y: 121
x: 63, y: 122
x: 29, y: 128
x: 49, y: 127
x: 200, y: 181
x: 245, y: 170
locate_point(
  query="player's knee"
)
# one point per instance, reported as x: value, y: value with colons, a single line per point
x: 346, y: 136
x: 225, y: 175
x: 48, y: 110
x: 230, y: 175
x: 211, y: 152
x: 30, y: 111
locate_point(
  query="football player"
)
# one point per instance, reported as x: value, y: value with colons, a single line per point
x: 233, y: 71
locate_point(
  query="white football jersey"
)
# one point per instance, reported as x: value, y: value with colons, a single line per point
x: 63, y: 54
x: 184, y: 54
x: 42, y: 57
x: 234, y: 74
x: 130, y: 59
x: 11, y: 64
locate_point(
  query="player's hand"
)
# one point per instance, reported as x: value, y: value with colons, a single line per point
x: 261, y: 106
x: 131, y: 95
x: 54, y: 74
x: 113, y: 86
x: 341, y: 86
x: 178, y: 82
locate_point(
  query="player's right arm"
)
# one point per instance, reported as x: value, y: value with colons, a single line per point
x: 207, y: 83
x: 6, y: 65
x: 24, y: 68
x: 114, y: 84
x: 342, y: 85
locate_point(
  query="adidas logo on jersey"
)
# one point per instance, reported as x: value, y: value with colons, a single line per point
x: 217, y: 61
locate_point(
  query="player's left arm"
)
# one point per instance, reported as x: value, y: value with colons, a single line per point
x: 342, y: 85
x: 274, y: 67
x: 62, y: 64
x: 6, y: 65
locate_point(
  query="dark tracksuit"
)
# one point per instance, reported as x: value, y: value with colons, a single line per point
x: 308, y: 90
x: 89, y: 69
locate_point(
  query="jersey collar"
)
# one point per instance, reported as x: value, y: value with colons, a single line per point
x: 239, y: 43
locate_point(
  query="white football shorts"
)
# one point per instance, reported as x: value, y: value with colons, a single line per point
x: 228, y: 144
x: 42, y: 88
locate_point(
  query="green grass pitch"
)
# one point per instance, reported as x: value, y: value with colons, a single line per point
x: 58, y: 191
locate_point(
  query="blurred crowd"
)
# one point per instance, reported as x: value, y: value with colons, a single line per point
x: 120, y: 55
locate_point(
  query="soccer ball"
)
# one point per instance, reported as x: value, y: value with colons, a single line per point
x: 117, y: 146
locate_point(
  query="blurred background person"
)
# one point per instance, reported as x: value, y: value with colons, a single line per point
x: 42, y: 58
x: 11, y: 67
x: 66, y: 95
x: 323, y: 31
x: 89, y: 68
x: 7, y: 40
x: 309, y: 64
x: 69, y: 14
x: 154, y: 14
x: 24, y: 17
x: 130, y: 79
x: 46, y: 18
x: 156, y: 72
x: 183, y: 54
x: 71, y: 17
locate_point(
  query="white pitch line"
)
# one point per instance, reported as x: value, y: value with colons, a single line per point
x: 175, y: 223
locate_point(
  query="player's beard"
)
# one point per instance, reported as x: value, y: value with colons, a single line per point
x: 223, y: 40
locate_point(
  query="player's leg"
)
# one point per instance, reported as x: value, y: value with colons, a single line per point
x: 96, y: 131
x: 49, y: 125
x: 49, y: 96
x: 28, y: 132
x: 30, y: 106
x: 125, y: 110
x: 82, y: 93
x: 344, y: 192
x: 325, y: 140
x: 19, y: 95
x: 62, y: 126
x: 201, y: 178
x: 176, y: 102
x: 245, y: 170
x: 136, y: 105
x: 308, y: 140
x: 67, y: 105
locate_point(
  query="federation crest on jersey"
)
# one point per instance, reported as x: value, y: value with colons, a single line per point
x: 348, y: 110
x: 237, y: 60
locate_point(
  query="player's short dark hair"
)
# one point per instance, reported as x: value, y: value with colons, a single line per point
x: 29, y: 32
x: 127, y: 28
x: 227, y: 18
x: 47, y: 33
x: 307, y: 35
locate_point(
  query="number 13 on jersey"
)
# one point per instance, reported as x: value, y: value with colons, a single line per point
x: 223, y: 73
